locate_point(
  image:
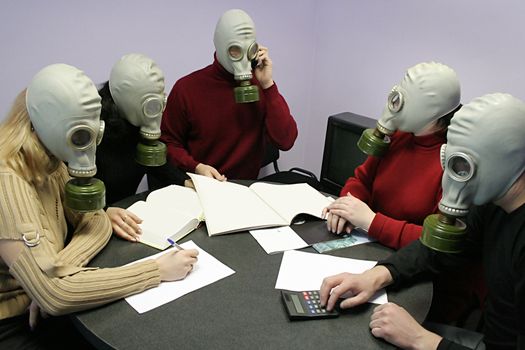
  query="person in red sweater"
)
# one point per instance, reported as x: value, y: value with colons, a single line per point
x: 216, y: 128
x: 390, y: 196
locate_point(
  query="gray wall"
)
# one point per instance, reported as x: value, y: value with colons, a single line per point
x: 329, y: 56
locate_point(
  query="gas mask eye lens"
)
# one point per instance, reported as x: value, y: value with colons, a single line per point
x: 235, y: 52
x: 461, y: 167
x: 252, y: 51
x: 395, y: 101
x: 101, y: 129
x: 81, y: 138
x: 153, y: 107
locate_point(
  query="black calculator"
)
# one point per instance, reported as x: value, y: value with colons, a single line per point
x: 305, y: 305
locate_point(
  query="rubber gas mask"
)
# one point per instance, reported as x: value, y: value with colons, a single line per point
x: 428, y: 92
x: 482, y: 159
x: 137, y: 86
x: 64, y: 108
x: 237, y: 49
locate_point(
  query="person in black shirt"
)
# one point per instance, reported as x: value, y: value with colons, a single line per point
x: 132, y: 104
x: 485, y: 167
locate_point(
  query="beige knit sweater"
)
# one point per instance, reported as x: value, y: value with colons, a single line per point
x: 50, y: 273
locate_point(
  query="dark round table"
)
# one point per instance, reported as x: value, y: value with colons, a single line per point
x: 242, y: 311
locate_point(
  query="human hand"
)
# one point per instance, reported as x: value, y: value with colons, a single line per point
x: 352, y: 209
x: 209, y: 171
x: 356, y: 288
x: 176, y: 264
x: 335, y: 223
x: 34, y: 314
x: 264, y: 71
x: 125, y: 223
x: 188, y: 183
x: 395, y: 325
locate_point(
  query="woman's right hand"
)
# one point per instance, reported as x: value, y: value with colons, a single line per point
x: 176, y: 264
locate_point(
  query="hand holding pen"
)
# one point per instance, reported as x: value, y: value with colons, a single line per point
x: 176, y: 263
x: 174, y: 244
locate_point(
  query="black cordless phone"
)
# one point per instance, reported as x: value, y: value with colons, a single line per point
x: 255, y: 62
x: 305, y: 305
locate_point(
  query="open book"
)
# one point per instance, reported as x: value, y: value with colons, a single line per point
x: 172, y: 211
x: 231, y: 207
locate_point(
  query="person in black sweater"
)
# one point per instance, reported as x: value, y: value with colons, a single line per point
x: 484, y: 167
x: 135, y: 79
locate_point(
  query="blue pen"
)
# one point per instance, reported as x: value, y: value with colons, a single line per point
x: 174, y: 244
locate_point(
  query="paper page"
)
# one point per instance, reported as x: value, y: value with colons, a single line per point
x: 230, y: 207
x: 290, y: 200
x: 301, y: 271
x: 278, y: 239
x: 159, y: 223
x: 179, y: 198
x: 206, y: 271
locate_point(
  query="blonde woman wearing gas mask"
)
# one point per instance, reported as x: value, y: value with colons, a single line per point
x: 42, y: 263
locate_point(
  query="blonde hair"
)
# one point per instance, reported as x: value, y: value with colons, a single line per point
x: 20, y: 148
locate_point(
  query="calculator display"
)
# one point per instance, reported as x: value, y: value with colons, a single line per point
x: 297, y: 303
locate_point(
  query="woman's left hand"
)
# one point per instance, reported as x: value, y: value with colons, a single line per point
x: 353, y: 210
x: 125, y: 223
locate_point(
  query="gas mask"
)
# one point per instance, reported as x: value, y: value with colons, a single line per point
x: 482, y: 159
x: 237, y: 50
x: 428, y: 92
x: 64, y: 108
x: 136, y: 84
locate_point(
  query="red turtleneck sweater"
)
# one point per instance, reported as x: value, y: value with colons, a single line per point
x: 203, y: 124
x: 403, y: 187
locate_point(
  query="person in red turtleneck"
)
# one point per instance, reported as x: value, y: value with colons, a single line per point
x: 402, y: 187
x: 389, y: 196
x: 210, y: 130
x: 392, y: 192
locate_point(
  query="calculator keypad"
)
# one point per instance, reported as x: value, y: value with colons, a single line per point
x: 312, y: 302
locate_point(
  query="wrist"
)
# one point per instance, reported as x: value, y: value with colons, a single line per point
x: 162, y: 272
x: 268, y: 84
x: 368, y: 221
x: 198, y: 167
x: 380, y: 276
x: 427, y: 340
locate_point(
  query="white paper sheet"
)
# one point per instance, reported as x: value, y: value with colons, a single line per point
x: 206, y: 271
x: 278, y: 239
x: 301, y: 271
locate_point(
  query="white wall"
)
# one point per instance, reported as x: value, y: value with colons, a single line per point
x: 363, y: 48
x: 178, y: 35
x: 329, y: 56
